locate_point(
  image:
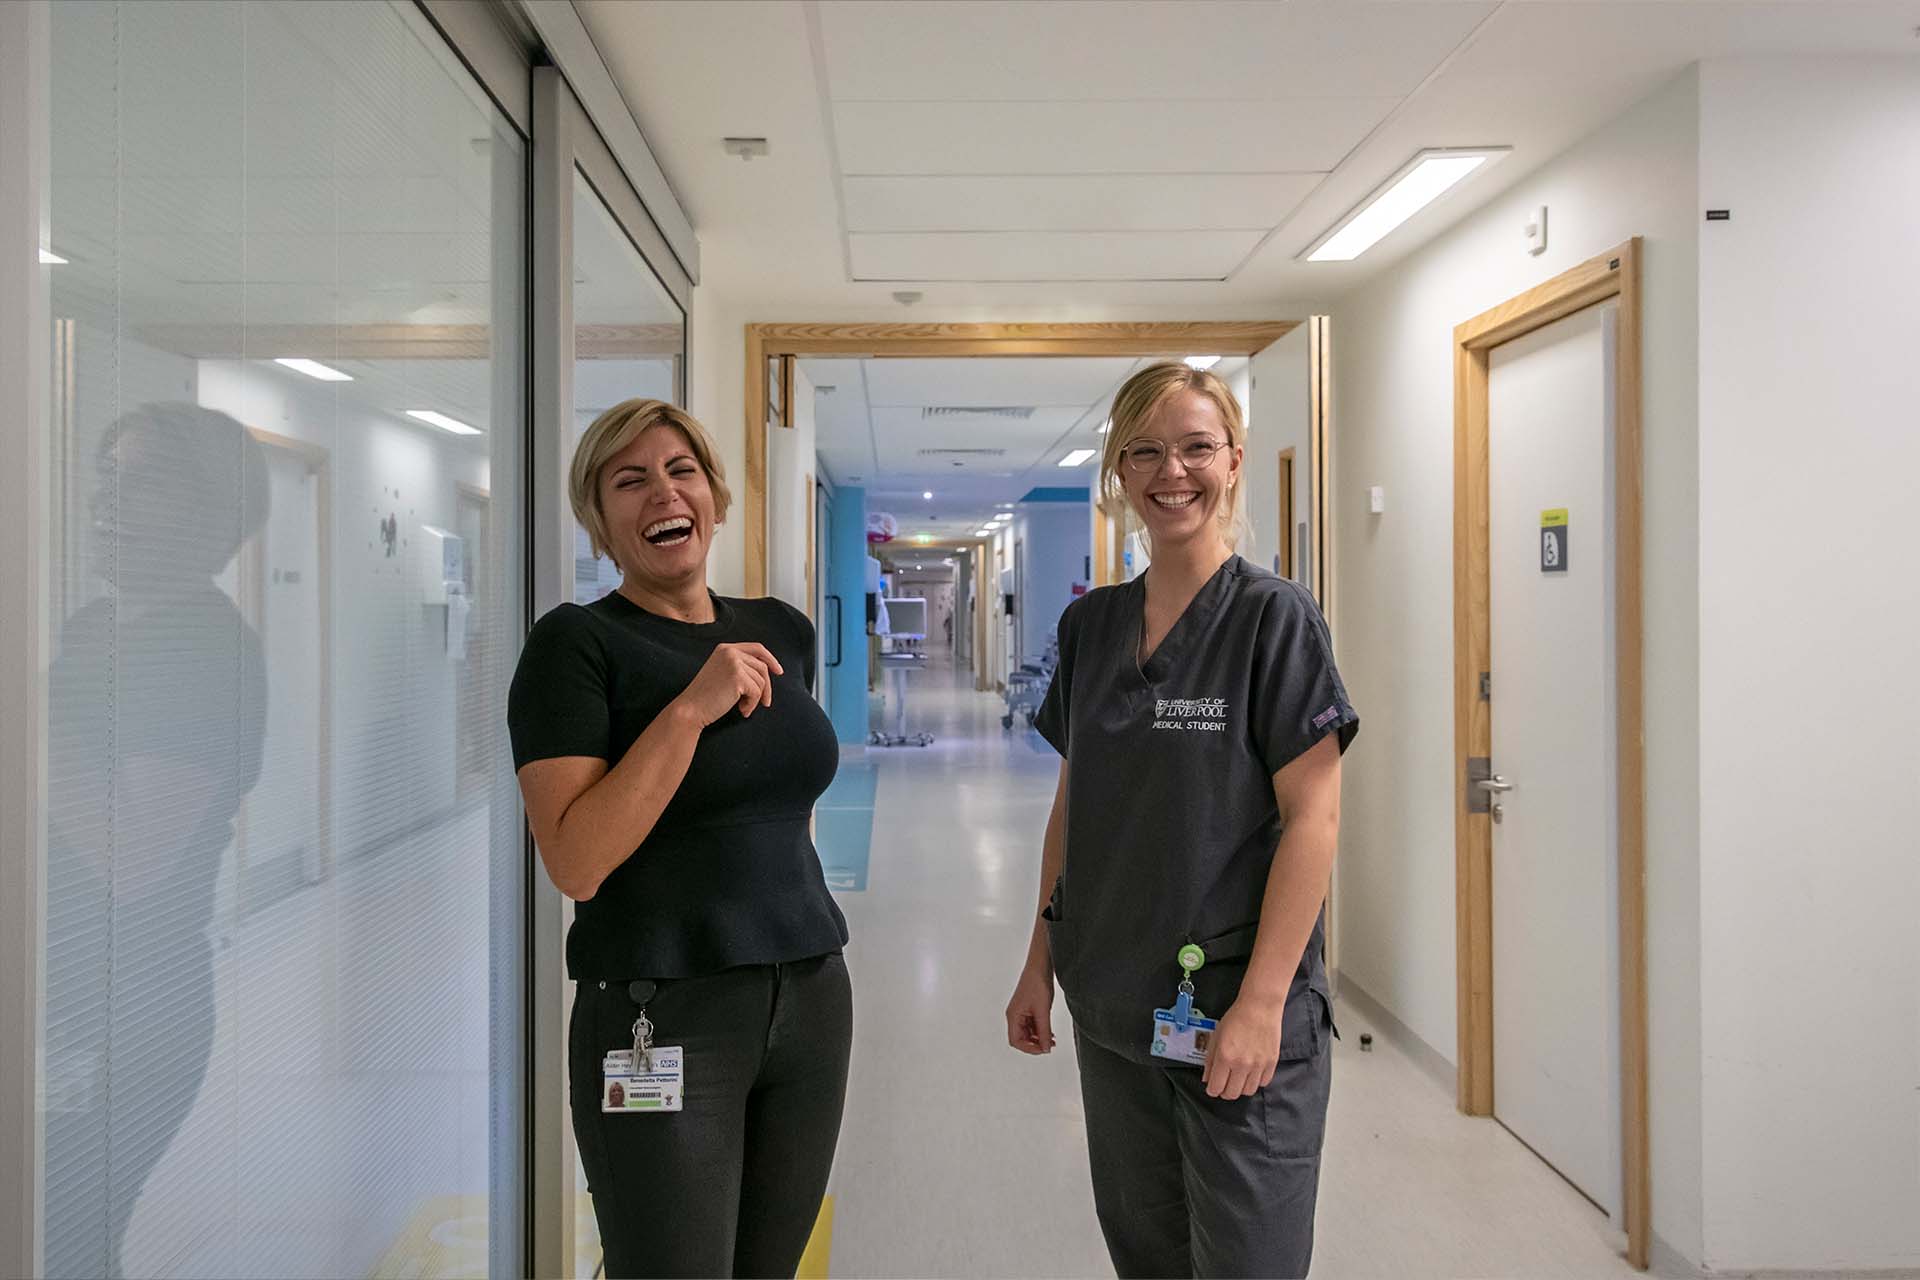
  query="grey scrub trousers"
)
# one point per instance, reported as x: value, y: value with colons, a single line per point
x: 1170, y: 836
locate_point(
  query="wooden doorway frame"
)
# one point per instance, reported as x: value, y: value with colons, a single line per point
x: 1286, y: 531
x: 765, y: 342
x: 1611, y: 275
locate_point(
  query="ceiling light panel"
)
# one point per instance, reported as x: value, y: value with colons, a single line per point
x: 1078, y: 458
x: 1420, y: 182
x: 313, y: 369
x: 435, y: 418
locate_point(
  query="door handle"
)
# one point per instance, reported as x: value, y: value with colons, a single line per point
x: 839, y: 625
x: 1496, y: 784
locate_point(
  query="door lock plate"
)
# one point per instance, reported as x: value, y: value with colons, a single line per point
x: 1479, y: 769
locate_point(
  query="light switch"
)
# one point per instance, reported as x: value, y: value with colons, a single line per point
x: 1376, y: 499
x: 1537, y: 231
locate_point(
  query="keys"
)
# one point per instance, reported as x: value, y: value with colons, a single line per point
x: 642, y: 1043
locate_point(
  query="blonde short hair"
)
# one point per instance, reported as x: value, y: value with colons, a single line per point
x: 613, y: 431
x: 1133, y: 408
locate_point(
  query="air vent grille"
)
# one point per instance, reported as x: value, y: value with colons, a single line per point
x: 962, y: 453
x: 1019, y: 413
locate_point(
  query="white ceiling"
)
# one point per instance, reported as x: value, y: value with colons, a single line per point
x: 1109, y: 153
x: 873, y: 430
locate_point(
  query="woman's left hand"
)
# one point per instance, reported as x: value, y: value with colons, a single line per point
x: 1245, y: 1050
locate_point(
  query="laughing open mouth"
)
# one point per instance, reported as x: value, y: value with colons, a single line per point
x: 668, y: 533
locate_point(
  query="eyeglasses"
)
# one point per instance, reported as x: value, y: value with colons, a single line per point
x: 1196, y: 453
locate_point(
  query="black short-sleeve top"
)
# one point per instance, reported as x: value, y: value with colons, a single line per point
x: 1171, y: 818
x: 728, y: 876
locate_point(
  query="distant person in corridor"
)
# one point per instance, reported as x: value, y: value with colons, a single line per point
x: 670, y: 753
x: 1200, y: 722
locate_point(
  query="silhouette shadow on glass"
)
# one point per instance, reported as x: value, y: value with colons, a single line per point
x: 156, y: 721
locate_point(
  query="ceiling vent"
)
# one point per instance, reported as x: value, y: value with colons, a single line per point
x: 1019, y: 413
x: 962, y: 453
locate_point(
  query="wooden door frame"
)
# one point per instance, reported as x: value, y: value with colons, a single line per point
x: 903, y: 341
x: 1286, y: 530
x: 1611, y: 275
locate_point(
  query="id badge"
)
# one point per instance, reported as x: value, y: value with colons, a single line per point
x: 625, y: 1088
x: 1186, y: 1044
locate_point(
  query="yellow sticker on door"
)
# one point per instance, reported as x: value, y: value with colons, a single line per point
x: 1553, y: 540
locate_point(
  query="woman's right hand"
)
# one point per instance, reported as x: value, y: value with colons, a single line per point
x: 1030, y: 1012
x: 737, y: 676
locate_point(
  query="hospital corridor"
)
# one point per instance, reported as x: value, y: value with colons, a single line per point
x: 959, y: 639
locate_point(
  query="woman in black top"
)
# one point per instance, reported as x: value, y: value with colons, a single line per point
x: 670, y: 753
x: 1201, y: 722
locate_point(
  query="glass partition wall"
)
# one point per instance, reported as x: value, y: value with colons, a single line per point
x: 299, y: 967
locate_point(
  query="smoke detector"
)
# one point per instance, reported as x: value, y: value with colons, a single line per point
x: 907, y: 297
x: 745, y: 148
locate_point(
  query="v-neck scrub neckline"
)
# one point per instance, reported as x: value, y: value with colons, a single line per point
x: 1171, y: 818
x: 1166, y: 655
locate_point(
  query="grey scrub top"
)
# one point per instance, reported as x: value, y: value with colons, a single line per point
x: 1171, y: 821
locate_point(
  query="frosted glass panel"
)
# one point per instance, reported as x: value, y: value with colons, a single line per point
x: 285, y: 872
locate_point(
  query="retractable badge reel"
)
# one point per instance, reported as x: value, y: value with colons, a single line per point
x: 1182, y: 1033
x: 648, y: 1077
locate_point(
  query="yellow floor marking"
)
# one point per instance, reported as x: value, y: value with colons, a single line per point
x: 445, y: 1238
x: 814, y: 1262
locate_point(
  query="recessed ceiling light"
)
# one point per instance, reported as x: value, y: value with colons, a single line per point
x: 1420, y: 182
x: 928, y: 495
x: 314, y: 369
x: 1006, y: 506
x: 48, y: 258
x: 442, y: 421
x: 1198, y: 362
x: 983, y: 533
x: 1078, y: 458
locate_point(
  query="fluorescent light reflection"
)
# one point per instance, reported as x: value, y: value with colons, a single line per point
x: 442, y: 421
x: 1429, y: 180
x: 1202, y: 362
x: 1078, y: 458
x: 313, y: 369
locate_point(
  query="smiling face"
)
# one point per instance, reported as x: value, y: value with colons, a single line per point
x: 1187, y: 490
x: 658, y: 507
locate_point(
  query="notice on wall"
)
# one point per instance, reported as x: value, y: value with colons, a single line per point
x: 1553, y: 540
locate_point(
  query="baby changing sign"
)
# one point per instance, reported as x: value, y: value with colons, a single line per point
x: 1553, y: 540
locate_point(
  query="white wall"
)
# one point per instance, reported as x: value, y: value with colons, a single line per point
x: 1392, y: 425
x: 1276, y: 405
x: 790, y: 464
x: 1809, y: 688
x: 393, y: 684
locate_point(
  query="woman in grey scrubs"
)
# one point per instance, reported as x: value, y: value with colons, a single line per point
x: 1200, y: 722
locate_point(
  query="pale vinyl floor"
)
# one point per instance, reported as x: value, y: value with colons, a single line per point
x: 960, y: 1157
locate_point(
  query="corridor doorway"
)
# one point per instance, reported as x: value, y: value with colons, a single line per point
x: 1547, y: 395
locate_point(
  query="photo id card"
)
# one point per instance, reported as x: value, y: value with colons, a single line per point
x: 1182, y: 1044
x: 624, y: 1088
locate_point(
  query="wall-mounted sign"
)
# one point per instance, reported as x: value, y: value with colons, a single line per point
x: 1553, y: 540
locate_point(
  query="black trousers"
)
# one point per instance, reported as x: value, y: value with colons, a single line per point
x: 1187, y: 1185
x: 731, y: 1184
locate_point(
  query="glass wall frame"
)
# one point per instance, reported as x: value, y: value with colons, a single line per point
x: 498, y: 42
x: 571, y: 160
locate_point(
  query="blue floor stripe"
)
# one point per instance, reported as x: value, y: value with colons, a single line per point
x: 843, y: 826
